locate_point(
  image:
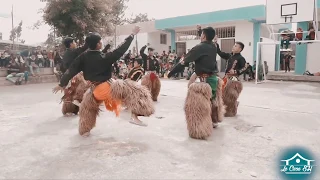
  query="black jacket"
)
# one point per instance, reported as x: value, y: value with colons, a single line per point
x: 234, y: 61
x: 95, y: 65
x: 70, y: 55
x: 204, y: 55
x: 149, y: 63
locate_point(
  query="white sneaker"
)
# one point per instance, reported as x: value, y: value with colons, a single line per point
x: 76, y: 102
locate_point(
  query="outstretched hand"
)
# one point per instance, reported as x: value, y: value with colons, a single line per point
x: 57, y: 88
x: 135, y: 30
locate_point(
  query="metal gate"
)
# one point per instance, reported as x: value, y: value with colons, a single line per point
x: 225, y: 46
x: 181, y: 48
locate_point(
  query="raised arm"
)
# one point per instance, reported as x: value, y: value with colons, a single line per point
x: 222, y: 54
x: 142, y: 54
x: 193, y: 54
x: 73, y: 70
x: 119, y: 52
x: 106, y: 48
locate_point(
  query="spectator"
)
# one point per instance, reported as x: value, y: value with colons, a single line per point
x: 311, y: 34
x: 248, y: 71
x: 33, y: 65
x: 50, y: 57
x: 39, y: 59
x: 46, y: 61
x: 123, y: 69
x: 299, y: 34
x: 15, y: 70
x: 287, y: 59
x: 311, y: 74
x: 285, y: 40
x: 3, y: 61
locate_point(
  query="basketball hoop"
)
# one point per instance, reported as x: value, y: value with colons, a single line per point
x: 286, y: 19
x: 289, y: 10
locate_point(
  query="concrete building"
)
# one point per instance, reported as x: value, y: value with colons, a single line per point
x: 244, y: 24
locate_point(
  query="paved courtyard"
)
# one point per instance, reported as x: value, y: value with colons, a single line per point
x: 36, y: 142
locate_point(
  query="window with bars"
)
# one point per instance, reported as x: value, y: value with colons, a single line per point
x: 163, y: 39
x: 225, y: 32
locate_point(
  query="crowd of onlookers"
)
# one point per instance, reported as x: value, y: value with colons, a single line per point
x: 288, y: 35
x: 166, y: 61
x: 21, y: 64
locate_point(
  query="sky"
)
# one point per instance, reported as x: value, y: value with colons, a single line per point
x: 27, y: 11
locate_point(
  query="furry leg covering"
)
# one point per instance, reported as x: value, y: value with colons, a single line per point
x: 135, y: 97
x: 89, y: 110
x: 193, y: 79
x: 74, y: 92
x: 198, y: 111
x: 231, y: 94
x: 69, y: 107
x: 153, y: 84
x: 218, y: 107
x: 81, y: 90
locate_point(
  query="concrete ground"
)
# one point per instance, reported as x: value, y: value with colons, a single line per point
x: 36, y: 142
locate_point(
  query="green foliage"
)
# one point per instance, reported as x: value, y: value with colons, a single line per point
x: 139, y: 18
x: 15, y: 33
x: 78, y: 17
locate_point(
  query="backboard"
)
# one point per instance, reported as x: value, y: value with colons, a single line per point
x: 289, y: 11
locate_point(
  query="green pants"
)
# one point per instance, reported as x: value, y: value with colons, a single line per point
x: 213, y: 82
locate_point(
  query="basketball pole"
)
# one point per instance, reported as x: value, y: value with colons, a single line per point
x: 316, y: 24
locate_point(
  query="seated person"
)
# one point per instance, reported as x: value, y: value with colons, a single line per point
x: 16, y: 70
x: 310, y: 74
x: 33, y: 65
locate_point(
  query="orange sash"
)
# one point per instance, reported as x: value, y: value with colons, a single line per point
x: 102, y: 92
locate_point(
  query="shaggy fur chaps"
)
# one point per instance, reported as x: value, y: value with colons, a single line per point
x: 69, y: 107
x: 89, y: 110
x: 153, y: 84
x: 198, y: 111
x: 78, y: 87
x: 218, y: 109
x: 135, y: 97
x: 231, y: 94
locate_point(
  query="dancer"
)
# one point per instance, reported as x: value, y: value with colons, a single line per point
x: 136, y: 74
x: 151, y: 67
x: 236, y: 65
x: 96, y: 67
x: 203, y: 106
x: 72, y: 98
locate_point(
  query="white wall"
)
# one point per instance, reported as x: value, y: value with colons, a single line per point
x: 191, y: 43
x: 264, y: 31
x: 268, y: 53
x: 154, y: 40
x: 244, y: 33
x: 143, y: 39
x: 313, y: 60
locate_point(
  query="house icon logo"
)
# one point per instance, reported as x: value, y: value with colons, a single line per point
x: 297, y: 163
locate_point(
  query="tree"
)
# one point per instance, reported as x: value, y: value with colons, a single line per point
x: 139, y: 18
x: 77, y: 18
x: 15, y: 33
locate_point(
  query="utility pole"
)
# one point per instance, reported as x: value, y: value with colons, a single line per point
x: 54, y: 36
x: 137, y: 44
x: 115, y: 36
x: 12, y: 27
